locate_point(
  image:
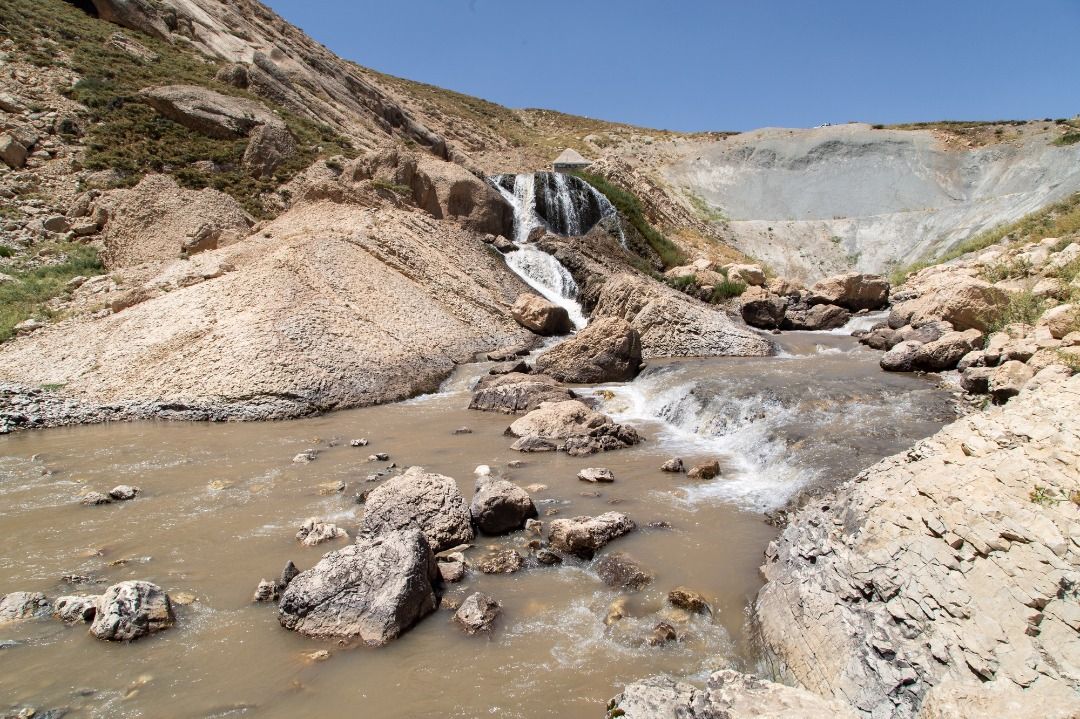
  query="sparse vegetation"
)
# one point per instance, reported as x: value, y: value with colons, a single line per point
x: 706, y: 211
x: 1006, y: 270
x: 31, y: 289
x: 127, y: 135
x: 1024, y: 308
x: 403, y: 190
x: 1069, y: 138
x: 630, y: 208
x: 1061, y: 218
x: 726, y: 290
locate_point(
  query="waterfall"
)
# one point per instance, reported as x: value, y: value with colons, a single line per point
x: 537, y: 268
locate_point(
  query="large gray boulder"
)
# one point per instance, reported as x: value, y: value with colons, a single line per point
x: 417, y: 499
x: 945, y: 352
x: 373, y: 590
x: 584, y: 536
x: 139, y: 15
x: 132, y: 610
x: 500, y: 506
x: 516, y: 393
x: 815, y: 317
x: 541, y: 316
x: 608, y: 350
x: 901, y: 358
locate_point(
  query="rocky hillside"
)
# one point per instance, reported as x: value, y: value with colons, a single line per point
x: 810, y: 203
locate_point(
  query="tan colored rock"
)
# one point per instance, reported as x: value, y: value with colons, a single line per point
x: 1061, y: 320
x: 607, y: 350
x: 210, y: 113
x: 964, y: 301
x: 1009, y: 379
x: 12, y: 152
x: 516, y: 393
x: 340, y: 306
x: 570, y: 426
x: 674, y: 325
x: 853, y: 291
x: 541, y: 316
x: 157, y: 221
x: 750, y: 275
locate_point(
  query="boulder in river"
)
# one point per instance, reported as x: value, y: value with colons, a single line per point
x: 503, y: 561
x: 853, y: 291
x: 516, y: 393
x: 76, y: 608
x: 19, y: 606
x: 132, y: 610
x: 426, y: 501
x: 688, y: 599
x: 705, y: 470
x: 477, y: 613
x: 762, y: 309
x: 373, y: 590
x: 570, y: 426
x: 123, y: 492
x: 607, y: 350
x: 621, y: 572
x: 95, y: 499
x: 596, y: 474
x: 499, y: 506
x: 901, y: 358
x: 945, y: 352
x: 674, y: 465
x: 815, y: 317
x: 584, y: 536
x: 541, y: 316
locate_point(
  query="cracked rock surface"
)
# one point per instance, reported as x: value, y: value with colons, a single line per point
x: 943, y: 582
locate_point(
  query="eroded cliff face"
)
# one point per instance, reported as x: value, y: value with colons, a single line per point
x: 816, y: 202
x: 943, y: 582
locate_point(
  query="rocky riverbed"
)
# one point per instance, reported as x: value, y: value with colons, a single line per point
x: 234, y: 495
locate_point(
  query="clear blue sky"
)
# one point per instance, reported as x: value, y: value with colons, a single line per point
x: 713, y: 65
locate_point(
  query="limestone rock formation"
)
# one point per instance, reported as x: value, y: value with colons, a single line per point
x: 373, y: 590
x: 132, y: 610
x: 516, y: 393
x: 965, y: 302
x: 421, y: 500
x: 541, y: 316
x: 20, y: 606
x: 728, y: 695
x: 853, y: 291
x: 571, y: 426
x: 607, y: 350
x: 948, y: 570
x: 671, y: 324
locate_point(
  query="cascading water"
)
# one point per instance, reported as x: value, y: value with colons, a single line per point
x: 537, y: 268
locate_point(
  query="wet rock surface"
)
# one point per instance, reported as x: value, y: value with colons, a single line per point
x: 572, y: 427
x: 584, y: 536
x: 422, y: 500
x: 373, y: 590
x: 499, y: 506
x: 477, y: 613
x: 517, y: 393
x: 607, y: 350
x: 132, y: 610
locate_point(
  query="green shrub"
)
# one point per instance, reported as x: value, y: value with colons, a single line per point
x: 683, y: 284
x: 403, y: 190
x: 6, y: 251
x: 1006, y: 270
x: 726, y: 290
x: 630, y: 208
x: 1069, y: 138
x: 26, y: 296
x: 1023, y: 307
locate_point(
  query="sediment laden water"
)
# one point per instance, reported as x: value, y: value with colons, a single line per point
x: 221, y: 503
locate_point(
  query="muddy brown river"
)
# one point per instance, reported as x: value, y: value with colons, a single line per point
x: 220, y: 505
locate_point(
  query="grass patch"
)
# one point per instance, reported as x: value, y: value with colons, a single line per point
x: 726, y: 290
x: 26, y: 296
x: 1058, y: 219
x: 1006, y: 270
x: 127, y: 135
x: 630, y: 208
x: 704, y: 209
x: 1069, y: 138
x: 6, y: 251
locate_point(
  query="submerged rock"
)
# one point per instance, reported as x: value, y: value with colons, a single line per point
x: 313, y: 532
x: 373, y: 590
x: 423, y: 500
x: 620, y: 571
x: 688, y: 599
x: 95, y: 499
x: 132, y: 610
x: 706, y: 470
x: 674, y: 465
x: 504, y: 561
x: 477, y: 613
x: 570, y: 426
x: 596, y: 474
x: 123, y: 493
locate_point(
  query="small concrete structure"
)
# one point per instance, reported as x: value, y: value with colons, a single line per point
x: 569, y: 161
